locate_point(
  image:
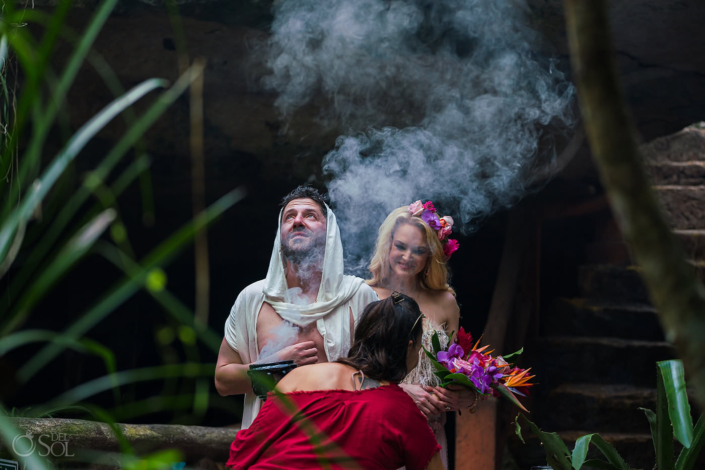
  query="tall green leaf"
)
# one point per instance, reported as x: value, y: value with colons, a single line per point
x: 651, y: 417
x: 75, y: 145
x: 42, y: 127
x: 127, y: 287
x: 673, y: 377
x: 146, y: 374
x: 166, y: 299
x: 686, y: 459
x: 74, y: 250
x: 664, y: 432
x: 40, y: 250
x: 124, y: 144
x: 22, y: 338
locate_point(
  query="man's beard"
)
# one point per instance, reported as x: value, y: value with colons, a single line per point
x: 306, y: 253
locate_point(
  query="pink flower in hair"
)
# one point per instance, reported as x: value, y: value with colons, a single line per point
x: 450, y: 247
x: 416, y: 208
x: 429, y: 206
x: 445, y: 231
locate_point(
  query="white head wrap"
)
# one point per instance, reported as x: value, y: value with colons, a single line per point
x: 335, y: 288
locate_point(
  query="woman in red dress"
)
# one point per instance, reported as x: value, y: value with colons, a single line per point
x: 350, y: 413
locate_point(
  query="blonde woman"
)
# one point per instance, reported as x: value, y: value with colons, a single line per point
x: 410, y: 256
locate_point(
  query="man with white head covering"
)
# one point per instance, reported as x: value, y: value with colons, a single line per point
x: 305, y: 310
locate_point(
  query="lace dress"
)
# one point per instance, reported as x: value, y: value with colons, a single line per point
x: 423, y: 375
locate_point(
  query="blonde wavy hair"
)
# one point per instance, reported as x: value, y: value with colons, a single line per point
x: 438, y: 274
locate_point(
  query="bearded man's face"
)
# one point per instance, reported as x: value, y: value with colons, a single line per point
x: 303, y: 230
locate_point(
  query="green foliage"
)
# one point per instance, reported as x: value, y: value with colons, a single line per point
x: 686, y: 459
x: 672, y: 417
x: 515, y: 353
x: 557, y: 454
x: 48, y: 228
x: 448, y: 378
x: 614, y: 460
x: 672, y: 376
x: 435, y: 342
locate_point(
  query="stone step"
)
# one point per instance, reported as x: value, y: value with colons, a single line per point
x: 579, y: 317
x: 596, y: 408
x: 616, y: 283
x: 614, y: 252
x: 677, y: 173
x: 693, y: 243
x: 687, y: 145
x: 611, y: 361
x: 609, y: 284
x: 684, y: 206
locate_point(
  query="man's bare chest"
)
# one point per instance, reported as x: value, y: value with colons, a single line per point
x: 274, y: 334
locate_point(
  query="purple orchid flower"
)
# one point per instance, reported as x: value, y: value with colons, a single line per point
x: 431, y: 219
x: 481, y: 380
x: 446, y: 357
x: 492, y: 372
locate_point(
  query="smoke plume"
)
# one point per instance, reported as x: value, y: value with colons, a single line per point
x: 449, y: 100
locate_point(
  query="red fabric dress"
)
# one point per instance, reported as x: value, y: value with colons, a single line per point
x: 379, y: 428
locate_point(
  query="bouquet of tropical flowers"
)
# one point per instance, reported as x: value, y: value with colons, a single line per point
x: 465, y: 364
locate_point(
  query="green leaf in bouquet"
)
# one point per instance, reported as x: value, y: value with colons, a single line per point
x: 436, y: 343
x: 515, y: 353
x: 505, y: 392
x: 440, y: 368
x: 460, y: 379
x: 442, y: 374
x: 431, y: 356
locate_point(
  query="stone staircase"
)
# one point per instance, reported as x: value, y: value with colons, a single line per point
x: 596, y: 355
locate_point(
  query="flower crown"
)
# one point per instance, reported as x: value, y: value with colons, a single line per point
x: 442, y: 225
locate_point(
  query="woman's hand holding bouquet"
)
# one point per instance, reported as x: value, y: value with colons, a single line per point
x: 472, y: 367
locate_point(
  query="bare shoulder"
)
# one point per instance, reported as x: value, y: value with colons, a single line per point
x: 446, y: 303
x: 322, y: 376
x: 444, y: 299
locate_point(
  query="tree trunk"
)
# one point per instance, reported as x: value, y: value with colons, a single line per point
x: 674, y: 289
x: 194, y: 442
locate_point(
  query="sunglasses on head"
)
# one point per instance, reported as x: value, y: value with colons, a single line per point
x: 398, y: 298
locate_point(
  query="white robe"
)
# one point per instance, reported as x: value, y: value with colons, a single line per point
x: 337, y: 296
